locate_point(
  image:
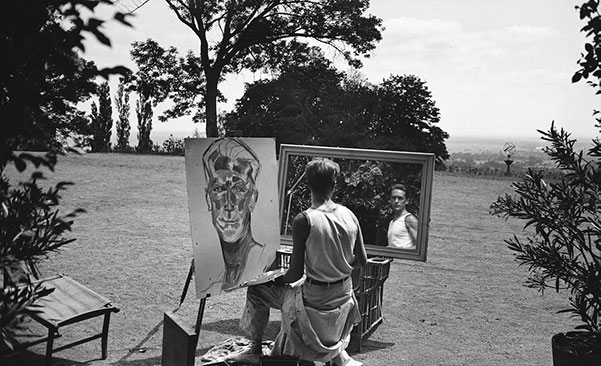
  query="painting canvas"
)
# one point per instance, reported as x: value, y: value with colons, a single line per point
x: 233, y: 204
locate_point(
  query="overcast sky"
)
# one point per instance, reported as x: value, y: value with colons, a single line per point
x: 494, y: 68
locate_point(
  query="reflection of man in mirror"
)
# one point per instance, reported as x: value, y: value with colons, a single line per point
x: 402, y: 230
x: 231, y: 169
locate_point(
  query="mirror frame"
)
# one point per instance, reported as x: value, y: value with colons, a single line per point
x: 426, y: 160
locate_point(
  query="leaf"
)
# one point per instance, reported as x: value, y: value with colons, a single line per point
x: 119, y: 70
x: 20, y: 165
x: 120, y: 17
x: 576, y: 77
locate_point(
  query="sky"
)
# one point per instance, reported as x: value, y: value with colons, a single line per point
x: 496, y: 69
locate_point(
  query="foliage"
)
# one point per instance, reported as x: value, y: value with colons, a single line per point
x: 565, y: 250
x: 173, y: 146
x: 42, y: 77
x: 144, y: 115
x: 166, y: 75
x: 187, y: 90
x: 123, y: 126
x: 590, y: 61
x: 297, y: 107
x: 102, y: 120
x: 30, y: 227
x: 256, y: 35
x: 310, y: 102
x: 406, y: 117
x: 152, y: 82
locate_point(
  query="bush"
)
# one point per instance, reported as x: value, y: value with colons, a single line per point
x: 30, y: 227
x: 564, y: 252
x: 173, y: 146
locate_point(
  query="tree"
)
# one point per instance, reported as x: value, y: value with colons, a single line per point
x: 295, y: 107
x: 123, y: 126
x: 311, y: 102
x: 590, y: 61
x: 406, y: 118
x: 157, y: 72
x: 41, y: 70
x: 255, y: 34
x: 144, y: 115
x: 102, y: 120
x: 179, y: 79
x: 41, y: 76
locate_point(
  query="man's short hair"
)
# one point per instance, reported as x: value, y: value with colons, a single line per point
x: 321, y: 175
x: 231, y: 154
x: 400, y: 187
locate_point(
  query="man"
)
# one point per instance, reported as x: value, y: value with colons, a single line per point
x: 231, y: 170
x: 402, y: 230
x: 319, y: 313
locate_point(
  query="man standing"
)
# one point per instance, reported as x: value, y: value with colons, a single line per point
x: 402, y: 230
x: 231, y: 170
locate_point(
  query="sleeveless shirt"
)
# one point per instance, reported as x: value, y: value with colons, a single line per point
x: 329, y: 246
x: 398, y: 235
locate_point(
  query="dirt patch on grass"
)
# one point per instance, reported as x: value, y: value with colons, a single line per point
x: 465, y: 306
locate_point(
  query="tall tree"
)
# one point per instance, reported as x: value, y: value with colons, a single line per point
x: 185, y: 85
x: 295, y: 107
x: 123, y: 126
x: 102, y: 120
x: 310, y: 102
x: 406, y: 117
x: 157, y: 72
x: 255, y: 34
x: 144, y: 115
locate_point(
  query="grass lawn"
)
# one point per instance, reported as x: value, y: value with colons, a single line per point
x: 465, y: 306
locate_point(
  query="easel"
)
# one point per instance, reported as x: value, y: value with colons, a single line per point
x: 179, y: 340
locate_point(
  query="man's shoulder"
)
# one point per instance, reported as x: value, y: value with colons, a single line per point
x: 411, y: 218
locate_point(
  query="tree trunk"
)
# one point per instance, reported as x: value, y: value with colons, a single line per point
x: 211, y: 103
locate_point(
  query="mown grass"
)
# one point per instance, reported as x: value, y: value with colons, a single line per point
x: 465, y: 306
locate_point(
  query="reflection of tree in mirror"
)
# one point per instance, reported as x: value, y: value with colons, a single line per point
x: 362, y: 186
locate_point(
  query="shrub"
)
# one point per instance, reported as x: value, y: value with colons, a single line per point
x: 173, y: 146
x: 564, y: 251
x: 30, y: 227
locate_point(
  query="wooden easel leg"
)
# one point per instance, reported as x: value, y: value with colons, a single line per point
x: 201, y: 310
x: 179, y: 341
x: 187, y: 284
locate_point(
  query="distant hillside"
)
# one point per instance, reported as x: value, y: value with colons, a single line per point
x: 494, y: 144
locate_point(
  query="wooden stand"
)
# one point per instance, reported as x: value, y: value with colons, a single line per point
x: 179, y: 339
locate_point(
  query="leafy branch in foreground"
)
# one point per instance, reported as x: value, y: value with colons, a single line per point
x: 564, y: 251
x: 30, y: 228
x: 42, y: 77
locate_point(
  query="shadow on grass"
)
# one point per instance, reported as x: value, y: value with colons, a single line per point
x: 28, y: 358
x: 231, y: 327
x: 369, y: 346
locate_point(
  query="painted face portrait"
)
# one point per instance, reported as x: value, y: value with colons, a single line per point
x: 231, y: 169
x: 232, y: 197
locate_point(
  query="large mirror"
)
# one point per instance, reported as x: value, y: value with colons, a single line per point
x: 363, y: 186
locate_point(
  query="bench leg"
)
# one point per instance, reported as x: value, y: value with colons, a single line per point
x: 49, y: 347
x: 105, y: 334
